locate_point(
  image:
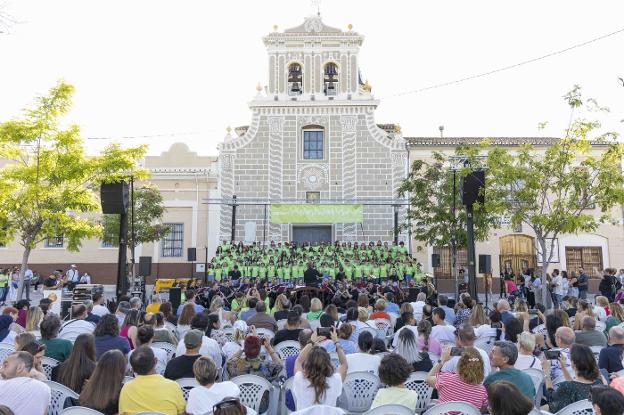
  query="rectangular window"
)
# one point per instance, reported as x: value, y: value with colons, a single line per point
x: 313, y: 145
x: 107, y: 244
x: 173, y: 244
x: 587, y: 257
x: 313, y: 197
x: 54, y: 242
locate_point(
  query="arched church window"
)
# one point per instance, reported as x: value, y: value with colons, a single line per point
x: 330, y: 79
x: 295, y: 79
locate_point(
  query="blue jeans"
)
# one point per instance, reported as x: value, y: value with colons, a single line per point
x: 558, y: 298
x: 3, y: 294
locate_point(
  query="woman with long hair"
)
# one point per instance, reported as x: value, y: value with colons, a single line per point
x: 316, y: 382
x: 107, y: 336
x: 407, y: 347
x: 130, y: 326
x: 101, y: 391
x: 405, y: 308
x: 214, y: 330
x: 478, y: 317
x: 167, y: 309
x: 465, y: 384
x: 616, y: 316
x: 505, y: 398
x: 161, y: 333
x: 584, y: 308
x: 363, y: 301
x: 572, y: 389
x: 281, y: 307
x: 184, y: 321
x: 33, y: 320
x: 426, y: 343
x: 512, y: 329
x: 79, y: 366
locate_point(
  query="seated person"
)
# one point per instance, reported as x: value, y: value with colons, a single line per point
x: 394, y: 372
x: 209, y: 393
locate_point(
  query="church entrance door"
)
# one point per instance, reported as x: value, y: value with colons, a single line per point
x: 312, y: 234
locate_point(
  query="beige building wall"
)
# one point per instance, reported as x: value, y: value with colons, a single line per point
x: 607, y: 242
x: 185, y: 180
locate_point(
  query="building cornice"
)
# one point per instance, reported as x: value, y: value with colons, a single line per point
x: 493, y: 141
x: 183, y: 171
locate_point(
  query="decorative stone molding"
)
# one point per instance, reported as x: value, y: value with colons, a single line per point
x: 348, y: 122
x: 313, y: 176
x: 275, y: 124
x: 313, y: 120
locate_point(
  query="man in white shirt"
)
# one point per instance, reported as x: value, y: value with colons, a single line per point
x: 363, y: 361
x: 72, y: 277
x: 28, y: 276
x: 564, y: 338
x: 99, y: 309
x: 558, y: 289
x: 465, y: 337
x: 209, y: 346
x: 19, y: 392
x: 442, y: 332
x: 77, y: 326
x: 209, y: 393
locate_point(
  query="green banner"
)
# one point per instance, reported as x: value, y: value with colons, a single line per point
x: 311, y: 213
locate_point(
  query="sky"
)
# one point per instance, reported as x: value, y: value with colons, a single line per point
x: 164, y: 71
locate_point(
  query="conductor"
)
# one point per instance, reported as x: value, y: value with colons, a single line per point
x: 311, y: 276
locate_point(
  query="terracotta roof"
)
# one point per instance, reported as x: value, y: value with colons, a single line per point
x: 495, y: 141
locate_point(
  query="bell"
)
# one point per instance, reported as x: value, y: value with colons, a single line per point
x: 331, y: 88
x: 295, y: 87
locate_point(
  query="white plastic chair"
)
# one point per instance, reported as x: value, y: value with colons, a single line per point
x: 390, y: 410
x: 287, y: 348
x: 485, y: 343
x: 314, y: 324
x: 583, y: 407
x: 5, y: 351
x: 48, y: 364
x: 417, y: 383
x: 168, y: 347
x: 370, y: 330
x: 536, y: 411
x: 537, y: 376
x: 333, y: 356
x: 71, y: 332
x: 252, y: 389
x: 358, y: 392
x: 601, y: 326
x: 171, y: 327
x: 455, y: 407
x: 281, y: 324
x: 596, y: 351
x: 228, y: 332
x: 320, y: 409
x: 186, y: 384
x: 287, y: 386
x: 161, y: 367
x: 383, y: 326
x: 58, y: 396
x: 80, y: 410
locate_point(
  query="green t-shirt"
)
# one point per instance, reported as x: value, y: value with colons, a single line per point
x: 254, y: 271
x: 358, y: 271
x: 262, y: 272
x: 348, y: 271
x: 217, y: 274
x: 271, y: 271
x: 287, y: 272
x: 58, y: 349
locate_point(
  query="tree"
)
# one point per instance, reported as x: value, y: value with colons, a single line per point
x: 552, y: 192
x: 49, y: 185
x: 148, y: 212
x: 429, y: 185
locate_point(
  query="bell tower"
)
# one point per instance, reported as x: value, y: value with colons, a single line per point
x: 314, y: 61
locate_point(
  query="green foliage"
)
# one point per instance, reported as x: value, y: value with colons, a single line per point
x: 48, y: 183
x: 429, y: 185
x: 552, y: 191
x: 148, y: 212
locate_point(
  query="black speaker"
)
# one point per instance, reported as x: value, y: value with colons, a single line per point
x: 114, y: 197
x: 175, y: 297
x: 145, y: 266
x: 435, y: 260
x: 191, y: 253
x: 485, y: 264
x: 472, y: 187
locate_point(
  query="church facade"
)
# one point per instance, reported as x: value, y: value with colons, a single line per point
x: 312, y: 140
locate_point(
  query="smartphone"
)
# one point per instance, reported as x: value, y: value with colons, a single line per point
x: 533, y: 311
x: 498, y: 325
x: 552, y: 354
x: 457, y: 351
x: 323, y: 331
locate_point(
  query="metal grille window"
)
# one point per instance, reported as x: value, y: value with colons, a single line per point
x: 107, y: 244
x: 54, y: 242
x: 587, y: 257
x: 313, y: 197
x: 173, y: 244
x: 313, y: 145
x: 445, y: 268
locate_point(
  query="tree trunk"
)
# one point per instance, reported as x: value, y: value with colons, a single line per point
x: 545, y: 260
x: 20, y: 285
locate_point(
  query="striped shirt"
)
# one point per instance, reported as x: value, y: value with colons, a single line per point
x: 452, y: 388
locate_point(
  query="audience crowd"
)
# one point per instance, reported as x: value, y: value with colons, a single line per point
x: 125, y: 357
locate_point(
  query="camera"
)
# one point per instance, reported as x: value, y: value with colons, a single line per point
x: 498, y: 325
x: 457, y: 351
x: 552, y: 354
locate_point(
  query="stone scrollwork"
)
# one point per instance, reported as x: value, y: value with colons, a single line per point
x: 313, y: 177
